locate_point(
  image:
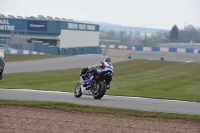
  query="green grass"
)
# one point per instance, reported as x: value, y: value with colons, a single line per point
x: 21, y: 57
x: 143, y: 78
x: 93, y: 109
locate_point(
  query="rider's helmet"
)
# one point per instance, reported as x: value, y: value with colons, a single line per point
x: 1, y: 55
x: 108, y: 59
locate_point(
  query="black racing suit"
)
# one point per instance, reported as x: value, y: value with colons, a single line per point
x: 2, y: 64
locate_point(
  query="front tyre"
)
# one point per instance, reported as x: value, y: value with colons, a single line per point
x: 101, y: 90
x: 77, y: 91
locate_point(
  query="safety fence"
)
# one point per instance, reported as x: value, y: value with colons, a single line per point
x: 157, y: 49
x: 39, y: 47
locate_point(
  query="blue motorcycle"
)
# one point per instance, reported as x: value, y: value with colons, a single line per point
x: 97, y: 86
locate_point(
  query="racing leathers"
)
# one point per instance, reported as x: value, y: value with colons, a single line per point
x: 106, y: 67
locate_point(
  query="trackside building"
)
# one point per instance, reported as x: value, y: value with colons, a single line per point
x: 50, y: 36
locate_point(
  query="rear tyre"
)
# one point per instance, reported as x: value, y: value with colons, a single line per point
x: 100, y: 91
x: 77, y: 91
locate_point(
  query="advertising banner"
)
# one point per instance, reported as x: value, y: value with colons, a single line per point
x: 37, y: 25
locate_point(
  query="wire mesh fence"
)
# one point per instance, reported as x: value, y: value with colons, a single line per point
x: 16, y: 40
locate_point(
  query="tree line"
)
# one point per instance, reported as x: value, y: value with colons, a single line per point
x: 186, y: 35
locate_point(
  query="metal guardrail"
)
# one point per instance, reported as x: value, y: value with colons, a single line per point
x: 197, y: 44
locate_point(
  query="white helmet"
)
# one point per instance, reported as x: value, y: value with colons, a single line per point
x: 108, y: 59
x: 1, y: 55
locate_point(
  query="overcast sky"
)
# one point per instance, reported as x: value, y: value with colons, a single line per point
x: 162, y: 14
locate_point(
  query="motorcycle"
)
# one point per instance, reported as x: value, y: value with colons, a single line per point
x: 2, y: 65
x: 97, y: 87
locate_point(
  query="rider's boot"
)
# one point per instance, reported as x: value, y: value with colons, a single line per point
x: 107, y: 86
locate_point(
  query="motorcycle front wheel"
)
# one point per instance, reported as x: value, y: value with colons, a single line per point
x: 77, y: 91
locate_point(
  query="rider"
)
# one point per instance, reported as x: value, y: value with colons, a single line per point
x: 106, y: 66
x: 2, y: 64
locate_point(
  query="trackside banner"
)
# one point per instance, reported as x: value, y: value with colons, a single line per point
x: 37, y: 25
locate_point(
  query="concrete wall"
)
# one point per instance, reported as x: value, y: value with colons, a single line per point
x: 15, y: 51
x: 80, y: 50
x: 75, y: 38
x: 45, y: 48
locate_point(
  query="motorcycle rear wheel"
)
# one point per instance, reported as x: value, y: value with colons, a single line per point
x: 101, y: 90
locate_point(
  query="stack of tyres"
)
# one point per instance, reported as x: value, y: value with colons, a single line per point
x: 2, y: 64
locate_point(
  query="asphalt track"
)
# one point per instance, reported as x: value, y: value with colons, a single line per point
x: 134, y: 103
x: 55, y: 63
x: 84, y: 61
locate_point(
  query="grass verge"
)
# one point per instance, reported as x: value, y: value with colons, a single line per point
x: 92, y: 109
x: 141, y: 78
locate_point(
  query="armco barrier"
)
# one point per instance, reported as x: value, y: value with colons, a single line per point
x: 158, y: 49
